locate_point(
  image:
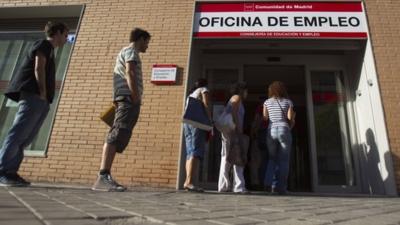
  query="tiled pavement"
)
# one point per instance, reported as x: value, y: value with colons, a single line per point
x: 63, y: 206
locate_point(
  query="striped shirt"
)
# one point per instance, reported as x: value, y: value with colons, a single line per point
x: 277, y: 112
x: 127, y: 54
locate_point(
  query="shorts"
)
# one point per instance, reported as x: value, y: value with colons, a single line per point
x: 195, y: 140
x: 126, y: 116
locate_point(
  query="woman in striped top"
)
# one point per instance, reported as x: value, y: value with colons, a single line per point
x: 278, y: 109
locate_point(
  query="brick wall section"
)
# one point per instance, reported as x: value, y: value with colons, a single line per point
x: 75, y: 147
x: 152, y: 156
x: 383, y: 18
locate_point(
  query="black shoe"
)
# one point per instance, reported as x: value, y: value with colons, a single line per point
x: 21, y: 180
x: 13, y: 180
x: 192, y: 188
x: 270, y: 190
x: 107, y: 183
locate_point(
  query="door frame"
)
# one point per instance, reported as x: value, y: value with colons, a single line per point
x: 315, y: 63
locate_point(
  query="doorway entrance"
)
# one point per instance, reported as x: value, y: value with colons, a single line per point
x: 323, y: 78
x: 321, y: 119
x: 258, y: 77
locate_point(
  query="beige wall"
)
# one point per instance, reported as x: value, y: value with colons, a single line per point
x: 76, y: 143
x: 152, y: 156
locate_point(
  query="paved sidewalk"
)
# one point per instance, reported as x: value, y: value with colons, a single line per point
x: 72, y: 206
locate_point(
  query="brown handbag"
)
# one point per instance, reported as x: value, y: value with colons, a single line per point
x: 237, y: 153
x: 108, y: 115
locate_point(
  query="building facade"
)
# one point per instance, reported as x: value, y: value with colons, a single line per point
x: 345, y: 88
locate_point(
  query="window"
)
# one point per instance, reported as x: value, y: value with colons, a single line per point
x: 15, y: 41
x: 12, y: 49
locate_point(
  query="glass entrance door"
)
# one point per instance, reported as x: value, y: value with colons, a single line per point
x: 333, y: 160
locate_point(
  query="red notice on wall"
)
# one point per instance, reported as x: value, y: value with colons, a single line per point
x: 163, y: 74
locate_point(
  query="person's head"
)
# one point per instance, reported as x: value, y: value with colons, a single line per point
x: 141, y: 38
x: 277, y: 89
x: 239, y: 89
x: 57, y: 32
x: 201, y: 82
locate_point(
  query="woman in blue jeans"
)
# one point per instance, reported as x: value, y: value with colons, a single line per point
x: 278, y: 109
x: 195, y: 138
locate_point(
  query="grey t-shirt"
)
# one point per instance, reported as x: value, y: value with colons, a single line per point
x: 127, y: 54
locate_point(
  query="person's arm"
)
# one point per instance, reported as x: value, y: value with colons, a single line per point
x: 235, y: 102
x: 291, y: 117
x: 265, y: 113
x: 130, y: 78
x: 206, y: 101
x: 40, y: 74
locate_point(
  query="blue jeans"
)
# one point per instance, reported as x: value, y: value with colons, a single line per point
x: 30, y: 116
x: 195, y: 140
x: 279, y: 141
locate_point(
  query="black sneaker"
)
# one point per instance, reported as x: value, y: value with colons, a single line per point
x: 21, y: 180
x: 107, y: 183
x: 13, y: 180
